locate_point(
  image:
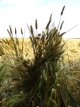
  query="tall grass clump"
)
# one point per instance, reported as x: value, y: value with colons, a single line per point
x: 31, y: 83
x: 37, y: 82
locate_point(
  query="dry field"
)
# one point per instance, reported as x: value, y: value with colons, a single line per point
x: 71, y: 56
x: 72, y: 53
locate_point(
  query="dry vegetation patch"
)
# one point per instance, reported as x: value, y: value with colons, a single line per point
x: 72, y: 54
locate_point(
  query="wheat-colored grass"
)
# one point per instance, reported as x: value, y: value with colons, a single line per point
x: 71, y: 55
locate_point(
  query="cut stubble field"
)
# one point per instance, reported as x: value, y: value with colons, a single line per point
x: 71, y: 55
